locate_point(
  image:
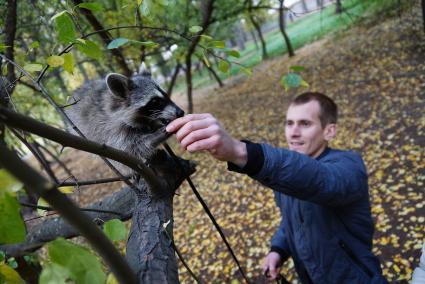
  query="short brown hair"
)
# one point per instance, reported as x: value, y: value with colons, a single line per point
x: 328, y: 108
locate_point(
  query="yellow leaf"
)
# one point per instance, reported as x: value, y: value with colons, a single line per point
x: 10, y: 276
x: 55, y: 61
x: 111, y: 279
x: 66, y: 189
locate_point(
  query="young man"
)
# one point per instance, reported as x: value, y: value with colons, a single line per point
x: 326, y: 224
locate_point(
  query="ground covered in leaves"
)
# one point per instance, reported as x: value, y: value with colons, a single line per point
x: 376, y: 74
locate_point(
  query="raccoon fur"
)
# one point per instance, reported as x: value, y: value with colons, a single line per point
x: 127, y: 113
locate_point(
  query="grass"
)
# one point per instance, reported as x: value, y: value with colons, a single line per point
x: 308, y: 29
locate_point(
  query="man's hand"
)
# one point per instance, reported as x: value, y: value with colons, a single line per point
x: 271, y: 265
x: 200, y: 132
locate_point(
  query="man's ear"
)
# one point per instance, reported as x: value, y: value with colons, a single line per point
x: 330, y: 131
x: 117, y: 84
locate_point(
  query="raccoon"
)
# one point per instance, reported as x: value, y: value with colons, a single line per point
x: 127, y: 113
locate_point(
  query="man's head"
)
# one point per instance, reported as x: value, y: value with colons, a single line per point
x: 310, y: 123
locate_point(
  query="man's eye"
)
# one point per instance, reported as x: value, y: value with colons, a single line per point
x: 288, y: 123
x: 305, y: 123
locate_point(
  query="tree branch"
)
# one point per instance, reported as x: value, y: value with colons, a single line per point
x: 37, y: 184
x: 28, y: 124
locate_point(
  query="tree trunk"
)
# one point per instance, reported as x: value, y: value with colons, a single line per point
x: 260, y: 35
x: 149, y: 252
x: 338, y: 7
x: 304, y: 4
x: 173, y: 79
x: 10, y: 32
x: 282, y: 29
x: 189, y: 83
x: 215, y: 76
x: 254, y: 38
x: 423, y: 13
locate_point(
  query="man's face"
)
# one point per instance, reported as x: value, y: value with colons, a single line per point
x: 303, y: 130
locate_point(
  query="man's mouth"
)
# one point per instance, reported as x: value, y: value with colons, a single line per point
x: 296, y: 144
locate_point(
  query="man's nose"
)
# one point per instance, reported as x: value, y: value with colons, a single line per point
x: 295, y: 131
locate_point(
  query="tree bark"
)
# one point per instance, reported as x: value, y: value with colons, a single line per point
x: 106, y: 38
x: 304, y: 4
x: 260, y: 35
x: 148, y: 248
x: 282, y: 29
x: 423, y: 13
x: 10, y: 32
x: 338, y: 7
x: 215, y: 76
x: 207, y: 9
x: 173, y: 79
x: 189, y: 83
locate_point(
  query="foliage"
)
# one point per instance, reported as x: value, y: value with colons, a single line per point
x: 72, y: 261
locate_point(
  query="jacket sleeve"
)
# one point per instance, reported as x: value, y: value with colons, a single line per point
x: 279, y: 241
x: 335, y: 181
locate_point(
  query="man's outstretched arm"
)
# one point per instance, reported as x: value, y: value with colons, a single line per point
x: 203, y: 132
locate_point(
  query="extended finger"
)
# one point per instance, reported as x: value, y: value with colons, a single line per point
x: 179, y: 122
x: 204, y: 132
x: 204, y: 144
x: 193, y: 125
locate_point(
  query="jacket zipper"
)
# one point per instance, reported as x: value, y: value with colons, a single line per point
x: 353, y: 257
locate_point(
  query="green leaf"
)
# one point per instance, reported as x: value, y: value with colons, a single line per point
x: 2, y: 256
x: 43, y: 203
x: 145, y: 43
x: 223, y: 66
x: 218, y: 44
x: 64, y: 26
x: 205, y: 59
x: 145, y: 7
x: 3, y: 47
x: 297, y: 68
x: 12, y: 226
x: 95, y: 7
x: 291, y: 80
x: 68, y: 64
x: 195, y: 29
x: 206, y: 37
x: 117, y: 42
x: 12, y: 262
x: 247, y: 71
x: 55, y: 60
x: 54, y: 274
x: 304, y: 84
x: 9, y: 182
x: 83, y: 266
x: 111, y: 279
x: 35, y: 44
x: 233, y: 53
x: 33, y: 67
x: 115, y: 230
x: 90, y: 49
x: 9, y: 276
x: 139, y: 2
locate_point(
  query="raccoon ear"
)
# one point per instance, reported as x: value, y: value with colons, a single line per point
x: 117, y: 84
x: 144, y: 71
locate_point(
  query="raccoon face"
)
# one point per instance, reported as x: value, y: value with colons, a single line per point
x: 141, y: 102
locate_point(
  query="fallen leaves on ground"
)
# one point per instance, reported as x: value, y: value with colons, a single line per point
x: 376, y: 74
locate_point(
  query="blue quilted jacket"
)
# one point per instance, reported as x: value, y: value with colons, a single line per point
x: 326, y: 224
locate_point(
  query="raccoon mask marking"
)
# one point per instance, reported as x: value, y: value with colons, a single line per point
x: 128, y: 113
